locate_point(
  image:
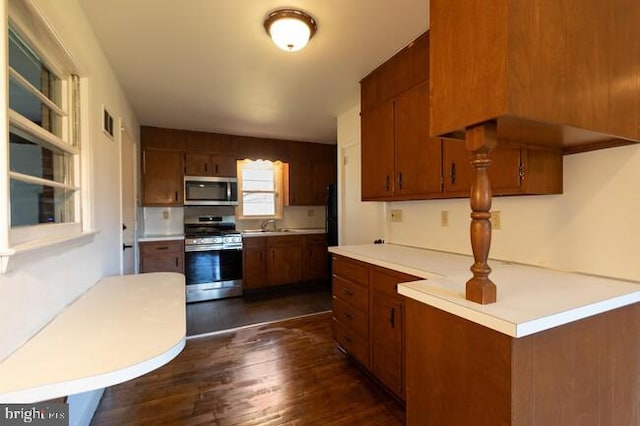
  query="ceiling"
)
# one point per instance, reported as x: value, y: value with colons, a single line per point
x: 208, y: 64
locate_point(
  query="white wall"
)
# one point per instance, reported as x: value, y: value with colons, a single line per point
x: 358, y: 222
x: 36, y: 290
x: 594, y: 227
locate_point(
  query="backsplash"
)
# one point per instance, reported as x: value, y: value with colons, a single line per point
x: 293, y: 217
x: 162, y: 220
x: 170, y: 220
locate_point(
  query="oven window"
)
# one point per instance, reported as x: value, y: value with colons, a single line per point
x: 211, y: 266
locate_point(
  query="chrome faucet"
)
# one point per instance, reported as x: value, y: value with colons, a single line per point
x: 268, y: 222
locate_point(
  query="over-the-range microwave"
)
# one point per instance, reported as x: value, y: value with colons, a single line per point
x: 210, y: 191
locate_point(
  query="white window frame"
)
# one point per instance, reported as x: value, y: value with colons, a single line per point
x: 25, y: 17
x: 278, y: 191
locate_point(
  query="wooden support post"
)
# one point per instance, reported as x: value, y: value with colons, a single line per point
x: 481, y: 140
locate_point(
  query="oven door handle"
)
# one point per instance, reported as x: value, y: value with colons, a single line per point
x: 211, y: 247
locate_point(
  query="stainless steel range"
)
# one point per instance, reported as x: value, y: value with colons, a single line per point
x: 213, y: 258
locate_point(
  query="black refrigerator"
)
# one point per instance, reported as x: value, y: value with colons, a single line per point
x: 331, y: 223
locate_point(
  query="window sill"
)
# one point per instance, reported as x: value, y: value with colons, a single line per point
x: 29, y: 250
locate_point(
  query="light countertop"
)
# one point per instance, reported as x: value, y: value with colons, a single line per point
x: 160, y: 237
x: 121, y: 328
x: 530, y: 299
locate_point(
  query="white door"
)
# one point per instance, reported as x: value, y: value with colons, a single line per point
x: 128, y: 201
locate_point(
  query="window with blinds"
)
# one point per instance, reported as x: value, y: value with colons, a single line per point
x: 260, y: 187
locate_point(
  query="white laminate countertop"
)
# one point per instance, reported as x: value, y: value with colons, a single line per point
x: 160, y: 237
x: 121, y: 328
x: 530, y: 299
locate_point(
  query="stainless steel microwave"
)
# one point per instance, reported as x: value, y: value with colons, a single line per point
x: 210, y: 191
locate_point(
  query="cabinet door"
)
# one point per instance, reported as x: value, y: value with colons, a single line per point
x: 284, y: 263
x: 197, y: 164
x: 457, y: 170
x: 504, y: 171
x: 300, y: 183
x: 324, y: 174
x: 224, y: 166
x: 377, y: 152
x: 162, y: 178
x: 254, y: 258
x: 386, y: 340
x: 418, y: 158
x: 162, y: 256
x: 315, y: 257
x: 387, y: 322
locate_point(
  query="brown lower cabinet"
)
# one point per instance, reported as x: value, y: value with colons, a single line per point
x: 162, y: 256
x: 283, y: 259
x: 462, y: 373
x: 368, y: 318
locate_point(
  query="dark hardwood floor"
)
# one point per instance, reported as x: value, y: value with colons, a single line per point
x: 258, y: 306
x: 284, y: 373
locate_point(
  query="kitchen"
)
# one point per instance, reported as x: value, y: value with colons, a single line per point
x: 588, y: 228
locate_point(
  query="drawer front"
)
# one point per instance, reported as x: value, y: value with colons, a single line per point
x: 351, y: 317
x: 161, y: 247
x: 351, y: 342
x: 350, y: 293
x: 387, y: 281
x: 285, y: 241
x: 351, y: 270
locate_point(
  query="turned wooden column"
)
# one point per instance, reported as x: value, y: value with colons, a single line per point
x: 481, y: 140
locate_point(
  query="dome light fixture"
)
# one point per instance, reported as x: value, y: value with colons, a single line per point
x: 290, y: 29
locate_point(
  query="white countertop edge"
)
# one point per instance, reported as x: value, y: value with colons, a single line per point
x: 525, y: 328
x: 389, y: 265
x: 89, y: 383
x: 497, y: 324
x: 566, y: 317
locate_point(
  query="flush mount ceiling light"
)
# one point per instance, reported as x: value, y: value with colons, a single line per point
x: 290, y: 29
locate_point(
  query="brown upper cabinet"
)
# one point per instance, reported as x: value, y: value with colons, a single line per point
x: 198, y: 164
x: 516, y: 170
x: 162, y: 179
x: 401, y: 162
x: 170, y: 154
x: 559, y: 74
x: 311, y: 168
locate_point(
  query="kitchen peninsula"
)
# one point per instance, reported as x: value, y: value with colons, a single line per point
x: 556, y: 347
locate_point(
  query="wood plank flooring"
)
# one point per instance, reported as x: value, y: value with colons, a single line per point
x: 285, y: 373
x: 258, y: 306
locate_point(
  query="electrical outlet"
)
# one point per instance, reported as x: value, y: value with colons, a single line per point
x: 444, y: 218
x: 396, y: 215
x: 495, y: 219
x: 165, y: 214
x: 310, y: 212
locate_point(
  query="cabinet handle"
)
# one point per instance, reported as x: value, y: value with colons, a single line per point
x: 348, y: 292
x: 176, y: 195
x: 453, y: 173
x: 162, y: 248
x: 206, y: 167
x: 348, y: 316
x: 177, y: 261
x: 216, y: 168
x: 521, y: 171
x: 388, y: 183
x: 400, y: 180
x: 392, y: 318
